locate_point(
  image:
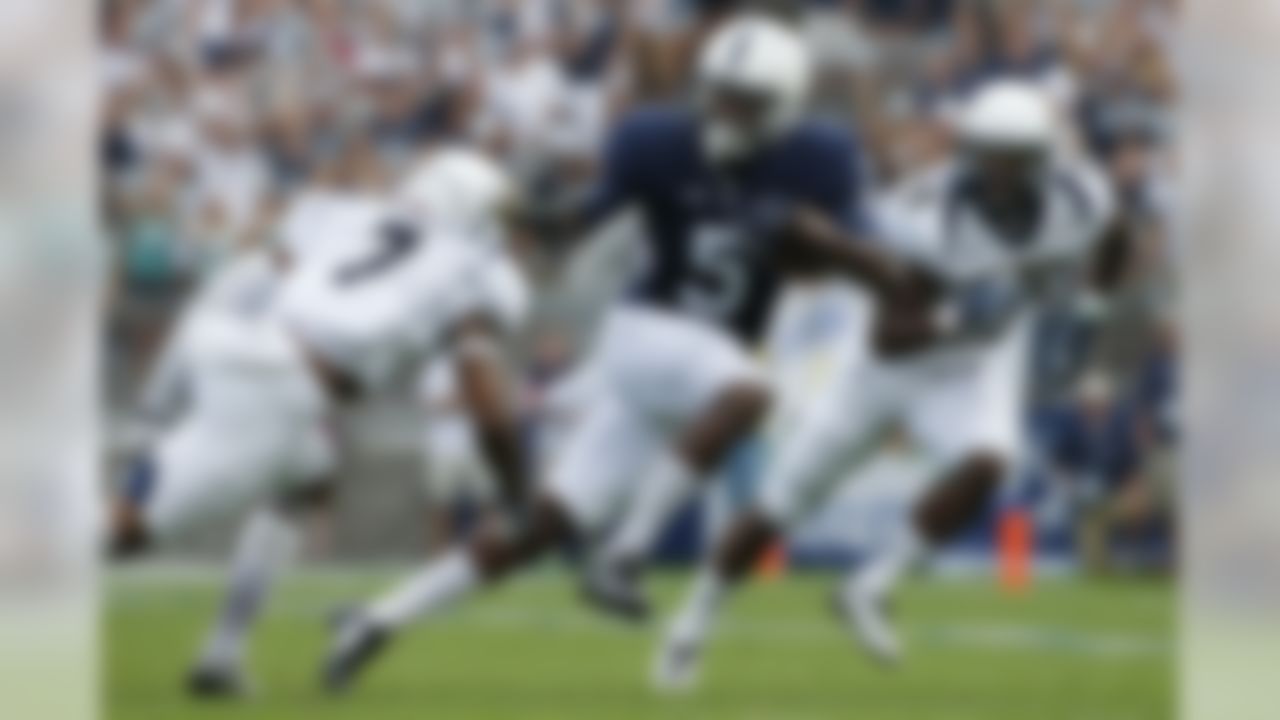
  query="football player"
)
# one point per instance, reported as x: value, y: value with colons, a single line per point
x: 268, y: 538
x: 433, y: 275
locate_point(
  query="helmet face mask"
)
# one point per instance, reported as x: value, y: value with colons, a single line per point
x: 1006, y: 185
x: 736, y: 119
x: 1007, y: 173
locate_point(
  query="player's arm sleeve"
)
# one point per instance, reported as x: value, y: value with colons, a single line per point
x: 838, y: 189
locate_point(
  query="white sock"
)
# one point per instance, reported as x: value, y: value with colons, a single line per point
x: 428, y: 592
x: 697, y: 615
x: 266, y: 545
x: 888, y: 566
x: 662, y: 493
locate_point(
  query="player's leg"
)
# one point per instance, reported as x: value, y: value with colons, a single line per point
x: 186, y: 478
x: 613, y: 583
x: 361, y: 636
x: 296, y: 484
x: 128, y: 534
x: 265, y: 547
x: 714, y: 395
x: 951, y: 505
x: 257, y: 436
x: 189, y: 478
x: 592, y: 471
x: 257, y: 416
x: 167, y: 486
x: 829, y: 439
x: 969, y: 424
x: 954, y: 502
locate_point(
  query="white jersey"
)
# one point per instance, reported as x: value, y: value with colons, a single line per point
x: 927, y: 219
x: 382, y: 304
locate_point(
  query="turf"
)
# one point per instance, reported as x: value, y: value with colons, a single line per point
x: 1065, y: 651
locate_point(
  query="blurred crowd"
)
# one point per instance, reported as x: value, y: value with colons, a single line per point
x: 219, y: 116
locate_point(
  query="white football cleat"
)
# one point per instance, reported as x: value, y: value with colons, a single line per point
x: 676, y: 667
x: 864, y: 613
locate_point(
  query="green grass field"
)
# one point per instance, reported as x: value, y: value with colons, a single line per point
x: 1098, y: 651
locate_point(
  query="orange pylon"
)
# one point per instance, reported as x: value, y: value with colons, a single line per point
x: 1015, y: 547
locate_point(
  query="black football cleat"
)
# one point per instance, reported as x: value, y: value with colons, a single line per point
x: 614, y: 589
x: 357, y: 642
x: 214, y: 682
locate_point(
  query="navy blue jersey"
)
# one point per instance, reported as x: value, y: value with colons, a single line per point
x: 704, y: 256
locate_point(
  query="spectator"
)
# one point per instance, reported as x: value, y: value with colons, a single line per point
x: 1095, y: 450
x: 231, y: 175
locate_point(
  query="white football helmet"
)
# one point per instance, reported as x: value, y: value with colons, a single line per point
x: 1008, y: 114
x: 1006, y: 137
x: 753, y: 80
x: 458, y: 190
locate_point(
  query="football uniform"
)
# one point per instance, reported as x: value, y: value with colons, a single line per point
x: 686, y: 329
x: 965, y: 395
x: 369, y: 309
